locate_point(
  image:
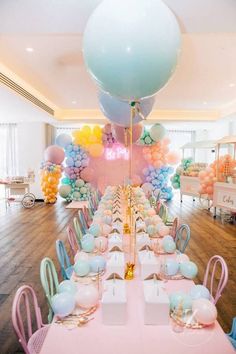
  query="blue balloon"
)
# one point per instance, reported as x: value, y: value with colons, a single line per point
x: 169, y: 246
x: 70, y: 162
x: 95, y: 229
x: 63, y: 140
x: 188, y: 269
x: 125, y: 58
x: 67, y: 286
x: 118, y: 111
x: 97, y: 264
x: 63, y: 304
x: 82, y: 268
x: 171, y: 267
x: 88, y: 245
x: 199, y: 292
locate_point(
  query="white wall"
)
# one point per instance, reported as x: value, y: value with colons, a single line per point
x: 31, y: 143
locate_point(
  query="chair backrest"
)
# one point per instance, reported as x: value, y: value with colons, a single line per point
x: 49, y: 281
x: 174, y: 227
x: 82, y: 220
x: 86, y: 216
x: 25, y: 299
x: 232, y: 333
x: 213, y: 262
x: 182, y: 237
x: 73, y: 242
x: 163, y: 212
x: 62, y: 257
x: 158, y: 206
x: 78, y: 230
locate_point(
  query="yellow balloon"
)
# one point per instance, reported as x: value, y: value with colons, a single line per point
x: 75, y: 133
x: 96, y: 150
x: 86, y: 130
x: 97, y: 131
x: 92, y: 139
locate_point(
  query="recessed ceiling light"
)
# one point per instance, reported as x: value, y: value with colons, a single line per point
x: 232, y: 84
x: 74, y: 102
x: 204, y: 102
x: 29, y: 49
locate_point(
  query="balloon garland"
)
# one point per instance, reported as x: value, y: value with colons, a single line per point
x: 184, y: 166
x: 50, y: 172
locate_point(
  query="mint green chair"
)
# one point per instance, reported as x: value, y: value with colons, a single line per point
x: 78, y: 230
x: 49, y: 281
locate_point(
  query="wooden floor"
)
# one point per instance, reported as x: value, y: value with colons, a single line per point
x: 26, y: 236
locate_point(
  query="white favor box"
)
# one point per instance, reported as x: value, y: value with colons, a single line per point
x: 115, y: 240
x: 142, y: 239
x: 118, y: 226
x: 140, y: 225
x: 156, y: 303
x: 116, y: 264
x: 149, y: 264
x: 114, y: 303
x: 143, y: 254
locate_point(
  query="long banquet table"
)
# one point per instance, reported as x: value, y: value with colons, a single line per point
x: 135, y: 337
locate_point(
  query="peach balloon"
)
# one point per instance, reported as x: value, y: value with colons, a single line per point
x: 163, y: 230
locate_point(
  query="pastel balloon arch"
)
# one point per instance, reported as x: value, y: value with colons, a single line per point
x: 71, y: 156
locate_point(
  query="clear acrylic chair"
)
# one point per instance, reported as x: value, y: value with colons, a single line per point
x: 182, y: 237
x: 26, y: 316
x: 78, y: 230
x: 72, y: 239
x: 49, y: 281
x: 64, y: 260
x: 212, y: 264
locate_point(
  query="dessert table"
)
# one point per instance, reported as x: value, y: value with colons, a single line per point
x: 135, y: 337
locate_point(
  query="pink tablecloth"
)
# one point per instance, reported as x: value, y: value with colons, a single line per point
x: 135, y: 337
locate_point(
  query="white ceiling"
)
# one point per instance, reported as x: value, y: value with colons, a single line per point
x: 204, y: 80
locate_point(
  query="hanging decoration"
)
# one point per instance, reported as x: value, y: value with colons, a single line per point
x: 157, y: 181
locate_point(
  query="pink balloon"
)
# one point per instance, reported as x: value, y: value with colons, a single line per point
x: 136, y: 179
x: 151, y: 212
x: 54, y: 154
x: 163, y: 231
x: 107, y: 128
x: 87, y: 174
x: 122, y: 134
x: 204, y: 311
x: 87, y: 296
x: 106, y: 230
x: 202, y: 174
x: 166, y: 141
x: 173, y: 158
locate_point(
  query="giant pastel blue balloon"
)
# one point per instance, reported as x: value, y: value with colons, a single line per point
x: 63, y: 304
x: 188, y: 269
x: 118, y: 111
x: 131, y: 47
x: 199, y: 292
x: 63, y: 140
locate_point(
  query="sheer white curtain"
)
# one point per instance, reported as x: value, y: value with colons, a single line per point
x: 8, y: 150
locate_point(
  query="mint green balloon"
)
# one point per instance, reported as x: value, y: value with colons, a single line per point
x: 76, y: 195
x: 79, y: 183
x: 83, y: 190
x: 131, y: 47
x: 64, y: 190
x: 82, y: 268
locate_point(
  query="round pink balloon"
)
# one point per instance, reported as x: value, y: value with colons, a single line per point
x: 87, y: 296
x: 122, y: 134
x: 54, y: 154
x: 173, y: 157
x: 136, y: 179
x: 87, y: 174
x: 163, y: 230
x: 204, y: 311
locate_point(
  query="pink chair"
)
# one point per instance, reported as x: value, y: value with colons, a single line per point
x: 174, y: 228
x: 25, y: 299
x: 72, y: 240
x: 223, y: 277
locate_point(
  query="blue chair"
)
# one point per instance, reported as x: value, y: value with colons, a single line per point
x: 182, y: 237
x: 232, y: 334
x: 64, y: 261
